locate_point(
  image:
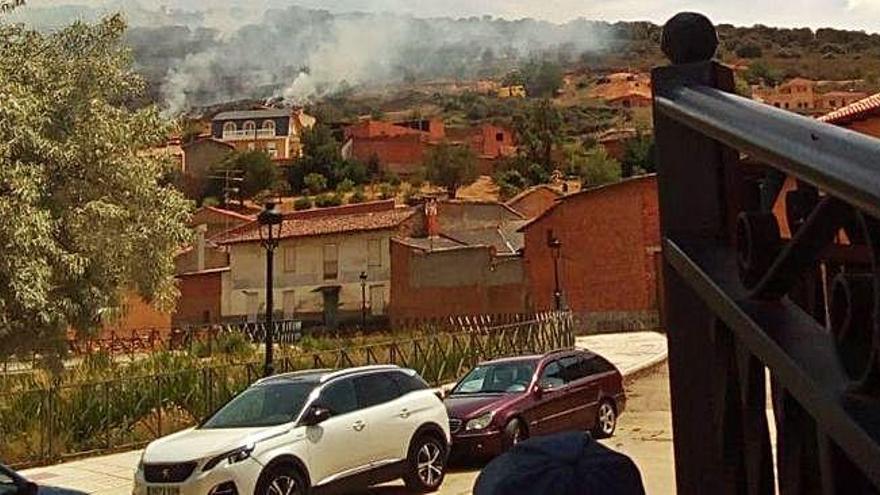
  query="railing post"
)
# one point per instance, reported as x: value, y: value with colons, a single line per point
x: 691, y: 186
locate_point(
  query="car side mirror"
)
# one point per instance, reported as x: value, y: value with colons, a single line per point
x: 315, y: 416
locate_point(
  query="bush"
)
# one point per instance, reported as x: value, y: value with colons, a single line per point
x: 394, y: 179
x: 749, y: 50
x: 387, y: 191
x: 357, y: 196
x: 303, y: 203
x: 315, y: 183
x: 327, y: 200
x: 210, y: 201
x: 345, y: 186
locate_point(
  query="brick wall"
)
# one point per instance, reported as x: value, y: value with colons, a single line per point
x: 401, y: 155
x: 610, y: 247
x: 424, y: 287
x: 200, y: 295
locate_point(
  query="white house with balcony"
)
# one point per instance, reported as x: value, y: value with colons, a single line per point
x: 277, y: 131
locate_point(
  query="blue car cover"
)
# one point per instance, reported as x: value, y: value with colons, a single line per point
x: 561, y: 464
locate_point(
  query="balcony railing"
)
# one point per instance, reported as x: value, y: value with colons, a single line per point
x: 242, y: 134
x: 742, y: 301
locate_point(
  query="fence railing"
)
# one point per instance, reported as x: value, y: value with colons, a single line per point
x: 42, y: 425
x: 742, y: 300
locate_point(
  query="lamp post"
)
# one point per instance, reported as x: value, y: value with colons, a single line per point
x: 556, y: 246
x: 363, y: 278
x: 270, y: 231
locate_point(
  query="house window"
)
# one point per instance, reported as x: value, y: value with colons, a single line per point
x: 331, y: 262
x: 251, y: 146
x: 250, y: 127
x: 374, y: 252
x: 269, y: 125
x: 289, y: 259
x: 228, y: 128
x: 499, y: 137
x: 271, y: 150
x: 288, y: 304
x: 833, y: 103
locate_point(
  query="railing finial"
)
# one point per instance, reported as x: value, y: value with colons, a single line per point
x: 689, y: 37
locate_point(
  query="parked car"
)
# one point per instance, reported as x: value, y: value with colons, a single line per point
x: 320, y: 429
x: 11, y: 483
x: 500, y: 402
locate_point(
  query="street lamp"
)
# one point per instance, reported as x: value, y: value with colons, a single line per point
x: 270, y: 231
x: 363, y: 278
x: 556, y: 246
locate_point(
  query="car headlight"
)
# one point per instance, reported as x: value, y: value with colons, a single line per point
x: 480, y: 422
x: 233, y: 456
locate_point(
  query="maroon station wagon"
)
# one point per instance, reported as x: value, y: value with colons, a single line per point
x: 500, y: 402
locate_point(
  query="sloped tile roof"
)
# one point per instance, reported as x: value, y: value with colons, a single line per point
x: 338, y: 224
x: 853, y: 111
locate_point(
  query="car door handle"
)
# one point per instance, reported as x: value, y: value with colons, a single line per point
x: 358, y: 425
x: 404, y: 413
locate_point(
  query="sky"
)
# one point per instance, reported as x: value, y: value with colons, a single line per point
x: 849, y: 14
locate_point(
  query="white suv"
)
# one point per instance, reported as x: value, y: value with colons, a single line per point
x: 307, y: 432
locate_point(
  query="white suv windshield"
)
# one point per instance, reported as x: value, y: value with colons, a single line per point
x: 497, y: 378
x: 266, y: 404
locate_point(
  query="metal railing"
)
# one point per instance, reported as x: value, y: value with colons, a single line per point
x: 249, y: 134
x: 743, y: 301
x: 43, y: 425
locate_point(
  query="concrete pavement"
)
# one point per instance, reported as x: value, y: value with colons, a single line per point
x: 631, y: 352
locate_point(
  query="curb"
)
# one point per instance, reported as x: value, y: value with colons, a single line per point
x: 647, y: 367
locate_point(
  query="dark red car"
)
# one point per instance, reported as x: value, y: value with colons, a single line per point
x: 500, y: 402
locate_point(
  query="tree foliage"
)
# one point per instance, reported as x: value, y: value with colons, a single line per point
x: 638, y: 156
x: 451, y: 166
x: 256, y: 170
x: 88, y: 214
x: 538, y: 130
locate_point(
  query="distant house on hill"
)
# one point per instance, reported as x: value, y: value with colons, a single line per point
x: 804, y: 96
x: 623, y: 89
x: 401, y: 147
x: 204, y: 153
x: 277, y: 131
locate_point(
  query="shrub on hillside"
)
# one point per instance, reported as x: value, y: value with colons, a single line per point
x: 357, y: 196
x: 303, y: 203
x: 327, y: 200
x: 315, y: 183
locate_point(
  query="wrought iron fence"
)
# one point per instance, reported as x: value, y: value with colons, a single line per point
x: 47, y: 424
x: 743, y: 300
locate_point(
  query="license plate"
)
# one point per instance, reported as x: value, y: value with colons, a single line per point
x: 163, y: 490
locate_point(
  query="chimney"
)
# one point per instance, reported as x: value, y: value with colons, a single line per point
x: 432, y: 224
x: 200, y: 246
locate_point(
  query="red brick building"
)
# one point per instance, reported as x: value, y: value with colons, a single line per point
x: 464, y: 260
x: 609, y: 254
x: 401, y: 147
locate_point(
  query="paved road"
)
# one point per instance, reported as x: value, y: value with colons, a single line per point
x: 644, y: 433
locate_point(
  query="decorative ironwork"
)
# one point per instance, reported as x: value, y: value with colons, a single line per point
x: 751, y: 291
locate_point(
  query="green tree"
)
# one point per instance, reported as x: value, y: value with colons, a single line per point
x: 539, y: 130
x: 542, y: 78
x: 257, y: 170
x: 638, y: 155
x: 316, y: 183
x: 89, y: 214
x: 596, y: 167
x: 451, y: 166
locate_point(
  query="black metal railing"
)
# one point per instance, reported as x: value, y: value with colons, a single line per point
x: 39, y: 425
x: 744, y: 300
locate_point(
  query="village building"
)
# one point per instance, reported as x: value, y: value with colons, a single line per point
x: 401, y: 147
x: 614, y: 141
x: 534, y: 201
x: 603, y: 246
x: 623, y: 89
x: 514, y: 91
x: 806, y: 96
x: 318, y: 265
x: 860, y: 116
x: 203, y: 154
x: 464, y: 260
x: 276, y: 131
x: 217, y: 220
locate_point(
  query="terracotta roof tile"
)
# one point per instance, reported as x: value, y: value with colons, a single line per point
x: 338, y: 224
x: 852, y: 111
